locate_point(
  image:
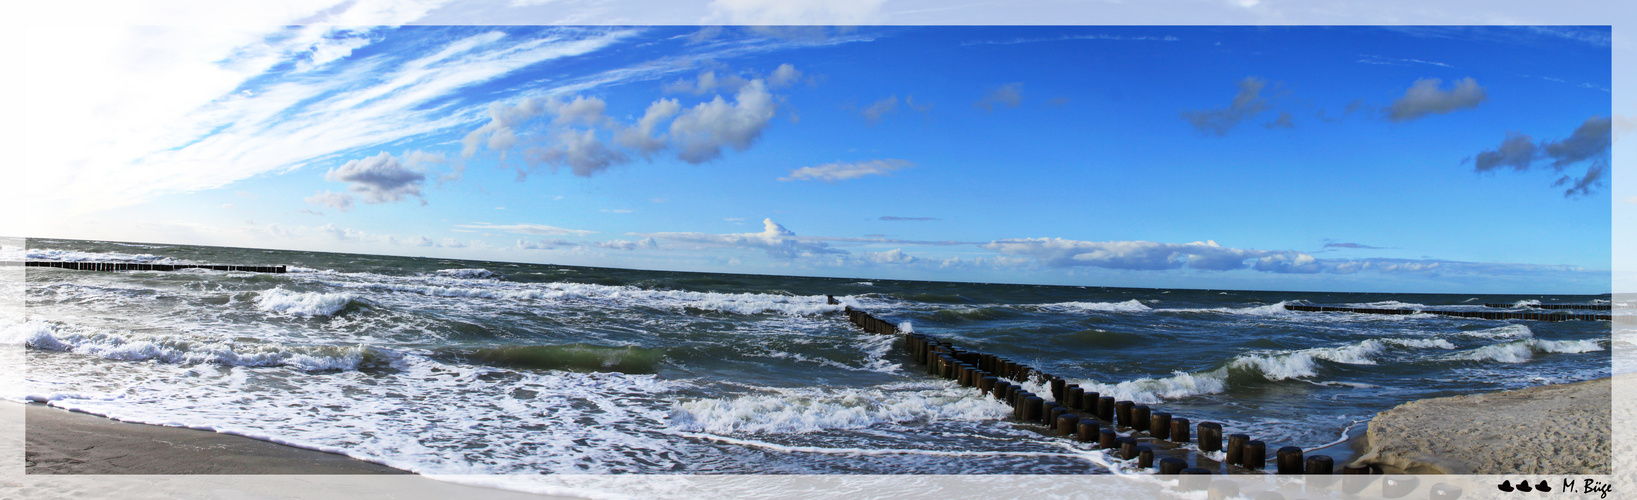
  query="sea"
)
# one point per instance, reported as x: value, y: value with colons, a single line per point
x: 451, y: 367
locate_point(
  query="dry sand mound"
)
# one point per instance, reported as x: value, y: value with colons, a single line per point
x: 1552, y: 429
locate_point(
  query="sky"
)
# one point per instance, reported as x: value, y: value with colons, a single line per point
x: 1384, y: 159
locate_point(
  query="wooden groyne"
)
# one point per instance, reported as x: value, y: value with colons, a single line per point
x: 1154, y: 439
x: 1536, y: 316
x: 1584, y: 307
x: 131, y: 266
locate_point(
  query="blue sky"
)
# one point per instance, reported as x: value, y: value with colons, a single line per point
x: 1303, y: 158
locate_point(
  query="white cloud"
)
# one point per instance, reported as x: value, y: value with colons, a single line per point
x: 628, y: 244
x: 703, y: 130
x: 380, y: 178
x: 784, y: 75
x: 894, y: 256
x: 794, y: 12
x: 708, y: 82
x: 1135, y: 255
x: 338, y: 201
x: 832, y: 172
x: 199, y: 106
x: 778, y: 242
x: 1425, y: 98
x: 550, y: 244
x: 534, y: 229
x: 580, y: 151
x: 641, y: 137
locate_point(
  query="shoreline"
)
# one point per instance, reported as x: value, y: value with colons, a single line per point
x: 1546, y: 430
x: 60, y: 441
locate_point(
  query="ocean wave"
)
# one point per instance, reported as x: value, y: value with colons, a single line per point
x: 1275, y: 309
x: 1274, y: 366
x: 1501, y: 332
x: 1523, y: 350
x: 279, y: 300
x: 806, y: 410
x: 175, y: 349
x: 1149, y: 390
x: 568, y: 357
x: 988, y: 313
x: 1421, y: 343
x: 1132, y: 305
x: 735, y: 303
x: 467, y: 273
x: 1526, y: 303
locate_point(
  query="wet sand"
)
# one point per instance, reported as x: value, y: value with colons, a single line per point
x: 1552, y: 429
x: 65, y: 442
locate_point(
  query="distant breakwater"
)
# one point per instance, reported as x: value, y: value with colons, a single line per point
x: 134, y: 266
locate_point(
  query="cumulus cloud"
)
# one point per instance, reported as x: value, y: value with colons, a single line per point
x: 628, y: 244
x: 708, y: 82
x: 894, y: 256
x: 1009, y: 95
x: 534, y: 229
x: 338, y: 201
x: 783, y: 76
x: 505, y: 120
x: 1135, y: 255
x: 380, y: 178
x: 580, y: 151
x: 641, y: 136
x: 778, y: 242
x: 703, y: 130
x: 1425, y: 98
x: 1589, y: 142
x: 832, y: 172
x: 1247, y: 103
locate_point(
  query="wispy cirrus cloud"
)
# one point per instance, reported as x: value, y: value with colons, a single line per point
x: 533, y: 229
x: 831, y: 172
x: 245, y: 100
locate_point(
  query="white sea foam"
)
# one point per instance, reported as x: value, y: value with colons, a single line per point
x: 1275, y: 309
x: 279, y: 300
x: 813, y: 409
x: 1502, y: 332
x: 1151, y: 390
x: 1523, y: 350
x: 176, y: 349
x: 1421, y: 343
x: 1389, y: 304
x: 467, y: 273
x: 1526, y: 303
x: 737, y: 303
x: 1132, y: 305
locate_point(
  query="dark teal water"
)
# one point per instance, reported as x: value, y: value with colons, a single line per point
x: 450, y: 367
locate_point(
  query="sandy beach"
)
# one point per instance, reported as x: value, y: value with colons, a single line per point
x: 65, y: 442
x: 1552, y: 429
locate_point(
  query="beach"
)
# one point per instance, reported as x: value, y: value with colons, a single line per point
x: 1550, y: 429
